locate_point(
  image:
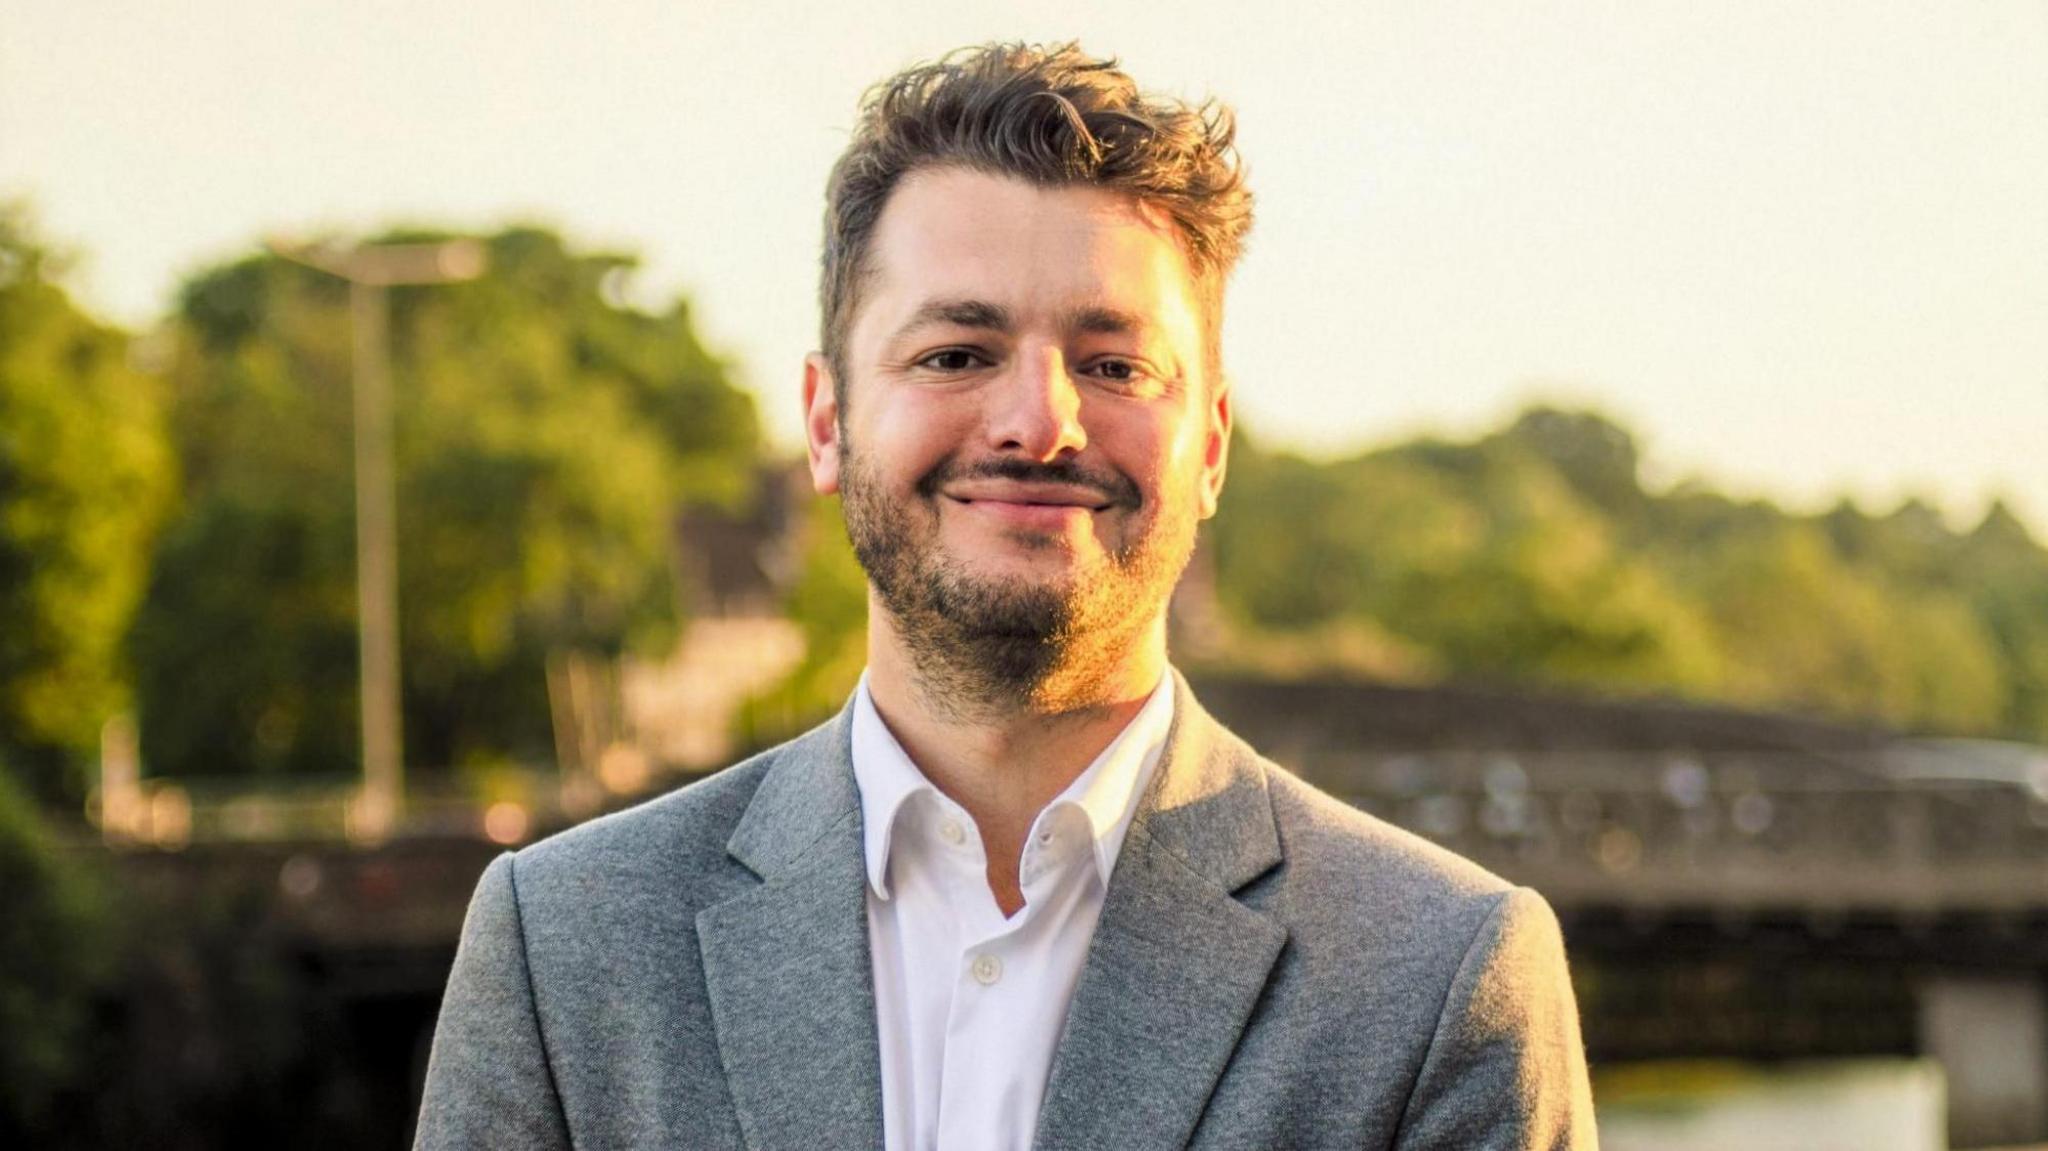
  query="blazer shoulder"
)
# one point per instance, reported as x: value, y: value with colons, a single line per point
x: 1346, y: 863
x: 675, y: 842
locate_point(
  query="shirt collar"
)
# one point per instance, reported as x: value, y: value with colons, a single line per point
x: 1107, y: 792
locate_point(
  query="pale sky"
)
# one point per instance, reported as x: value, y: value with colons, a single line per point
x: 1800, y: 249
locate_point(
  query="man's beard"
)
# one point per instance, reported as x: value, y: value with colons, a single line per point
x: 980, y: 645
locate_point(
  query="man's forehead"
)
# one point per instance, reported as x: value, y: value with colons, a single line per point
x: 1096, y: 257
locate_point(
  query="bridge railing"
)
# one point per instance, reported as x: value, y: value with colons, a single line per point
x: 1749, y: 830
x: 516, y: 805
x: 1919, y: 826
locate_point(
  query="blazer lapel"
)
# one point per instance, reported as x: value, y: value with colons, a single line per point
x: 1177, y: 963
x: 786, y: 965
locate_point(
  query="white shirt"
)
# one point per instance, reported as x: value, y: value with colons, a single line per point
x: 969, y: 1005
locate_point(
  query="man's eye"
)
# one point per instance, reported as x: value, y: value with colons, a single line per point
x: 950, y: 360
x: 1116, y: 371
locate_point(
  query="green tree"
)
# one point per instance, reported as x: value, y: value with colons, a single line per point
x: 1547, y: 589
x: 1535, y: 554
x: 1482, y: 559
x: 2007, y: 572
x: 546, y: 431
x: 84, y: 478
x: 1802, y: 626
x: 1592, y: 453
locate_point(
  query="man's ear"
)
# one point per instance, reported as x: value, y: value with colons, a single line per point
x: 1215, y: 445
x: 821, y: 423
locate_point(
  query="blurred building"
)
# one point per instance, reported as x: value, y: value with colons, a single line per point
x: 621, y: 726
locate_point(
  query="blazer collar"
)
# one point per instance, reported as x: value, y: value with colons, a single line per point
x: 1177, y: 963
x: 1208, y: 802
x: 808, y: 792
x: 787, y: 970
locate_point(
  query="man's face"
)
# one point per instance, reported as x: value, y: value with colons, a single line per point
x: 1028, y: 441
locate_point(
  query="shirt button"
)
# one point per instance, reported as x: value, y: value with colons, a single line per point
x: 951, y: 831
x: 987, y: 969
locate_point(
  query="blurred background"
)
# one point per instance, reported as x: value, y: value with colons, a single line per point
x: 1641, y: 491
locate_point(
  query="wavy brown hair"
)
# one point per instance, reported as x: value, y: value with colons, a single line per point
x: 1051, y: 115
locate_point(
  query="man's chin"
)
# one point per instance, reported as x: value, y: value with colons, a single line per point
x: 1007, y: 601
x: 1061, y: 591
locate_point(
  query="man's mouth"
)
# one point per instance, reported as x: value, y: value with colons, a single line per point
x: 1015, y: 495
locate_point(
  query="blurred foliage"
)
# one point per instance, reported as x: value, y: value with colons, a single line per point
x: 1536, y: 555
x: 85, y: 474
x: 53, y: 962
x: 546, y: 431
x: 1479, y: 560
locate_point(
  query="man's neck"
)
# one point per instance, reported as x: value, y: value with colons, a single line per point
x: 1003, y: 762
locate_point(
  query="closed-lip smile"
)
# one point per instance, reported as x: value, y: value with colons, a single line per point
x: 1027, y: 494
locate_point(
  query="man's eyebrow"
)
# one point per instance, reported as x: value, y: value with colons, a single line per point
x: 1102, y: 320
x: 958, y: 314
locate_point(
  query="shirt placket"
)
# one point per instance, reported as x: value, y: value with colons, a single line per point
x: 983, y: 1103
x: 980, y: 1102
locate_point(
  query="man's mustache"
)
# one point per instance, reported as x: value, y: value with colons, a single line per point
x: 1116, y: 489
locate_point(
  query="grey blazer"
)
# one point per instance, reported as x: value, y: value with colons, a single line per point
x: 1272, y: 969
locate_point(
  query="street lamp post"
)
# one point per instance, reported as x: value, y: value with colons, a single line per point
x: 370, y: 270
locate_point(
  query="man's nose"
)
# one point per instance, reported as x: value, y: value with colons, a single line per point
x: 1035, y: 410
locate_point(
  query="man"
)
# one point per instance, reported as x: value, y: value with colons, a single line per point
x: 1021, y: 892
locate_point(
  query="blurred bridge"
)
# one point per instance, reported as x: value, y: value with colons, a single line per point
x: 1647, y: 807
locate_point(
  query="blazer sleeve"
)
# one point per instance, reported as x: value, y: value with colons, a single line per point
x: 488, y: 1081
x: 1506, y: 1068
